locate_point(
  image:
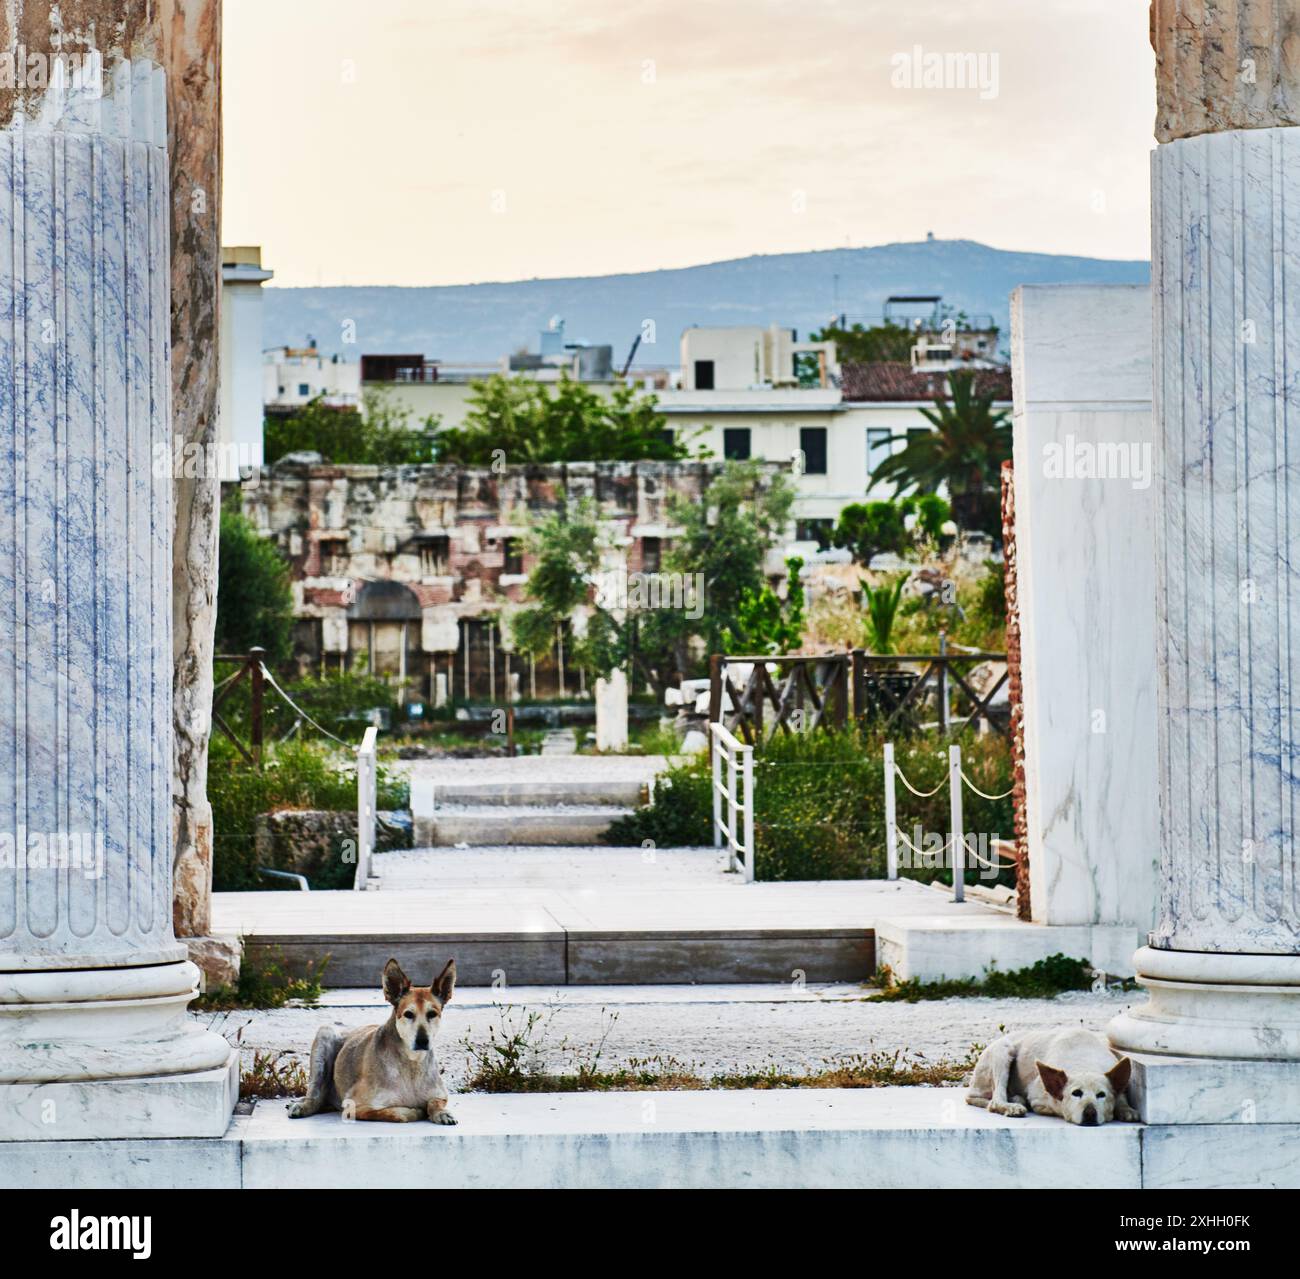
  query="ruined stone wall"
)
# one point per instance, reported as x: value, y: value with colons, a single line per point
x: 1015, y: 691
x: 341, y: 527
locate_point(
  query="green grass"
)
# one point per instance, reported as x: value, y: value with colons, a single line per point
x: 1044, y: 980
x: 264, y: 985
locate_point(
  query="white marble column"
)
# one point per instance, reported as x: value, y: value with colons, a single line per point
x: 1222, y: 969
x: 94, y: 1038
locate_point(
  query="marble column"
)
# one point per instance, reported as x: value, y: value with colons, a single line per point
x: 1222, y: 968
x: 94, y: 1036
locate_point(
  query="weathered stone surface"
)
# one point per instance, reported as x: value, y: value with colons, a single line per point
x: 322, y: 845
x: 1225, y: 64
x: 217, y: 958
x: 190, y: 50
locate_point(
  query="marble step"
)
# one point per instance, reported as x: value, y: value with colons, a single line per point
x: 484, y: 825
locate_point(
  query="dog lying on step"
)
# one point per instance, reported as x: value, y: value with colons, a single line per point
x: 1070, y: 1073
x: 384, y: 1072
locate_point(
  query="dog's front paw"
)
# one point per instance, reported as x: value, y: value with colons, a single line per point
x: 1126, y: 1114
x: 1012, y: 1109
x: 299, y: 1110
x: 442, y: 1117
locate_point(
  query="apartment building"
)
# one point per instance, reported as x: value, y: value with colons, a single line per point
x: 761, y: 393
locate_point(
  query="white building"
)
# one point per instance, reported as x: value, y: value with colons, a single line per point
x: 293, y: 376
x: 239, y: 422
x: 833, y: 425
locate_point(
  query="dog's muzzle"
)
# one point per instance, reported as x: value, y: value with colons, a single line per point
x: 422, y: 1043
x: 1089, y: 1117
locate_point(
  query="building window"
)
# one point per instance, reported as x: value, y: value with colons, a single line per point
x: 735, y: 443
x: 434, y: 556
x: 651, y: 554
x: 816, y: 530
x: 704, y: 376
x: 667, y: 436
x: 880, y: 444
x: 812, y: 443
x: 513, y: 551
x: 914, y: 431
x: 304, y: 388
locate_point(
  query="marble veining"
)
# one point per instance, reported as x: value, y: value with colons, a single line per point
x: 1226, y: 279
x: 85, y: 525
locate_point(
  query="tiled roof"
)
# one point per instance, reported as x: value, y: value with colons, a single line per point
x: 896, y: 381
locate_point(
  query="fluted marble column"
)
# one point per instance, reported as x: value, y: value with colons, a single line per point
x: 94, y: 1038
x: 1222, y: 968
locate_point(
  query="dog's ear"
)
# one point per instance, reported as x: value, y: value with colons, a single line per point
x: 1053, y: 1079
x: 1119, y: 1074
x: 446, y: 982
x: 396, y: 982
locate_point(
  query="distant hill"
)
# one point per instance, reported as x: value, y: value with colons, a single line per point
x: 799, y: 290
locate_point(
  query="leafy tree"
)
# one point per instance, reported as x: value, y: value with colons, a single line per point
x: 764, y: 624
x: 862, y: 345
x: 932, y: 513
x: 381, y: 436
x: 724, y: 539
x: 965, y: 452
x: 867, y: 529
x: 254, y: 601
x: 524, y: 420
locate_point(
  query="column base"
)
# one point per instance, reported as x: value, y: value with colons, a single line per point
x: 1242, y: 1007
x: 110, y: 1052
x: 192, y: 1105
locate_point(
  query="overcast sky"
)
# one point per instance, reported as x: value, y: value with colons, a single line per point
x: 453, y: 141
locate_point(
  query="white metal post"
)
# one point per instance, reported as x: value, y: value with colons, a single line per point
x: 366, y: 798
x: 957, y: 836
x: 891, y: 816
x: 731, y: 807
x: 717, y: 792
x: 747, y: 765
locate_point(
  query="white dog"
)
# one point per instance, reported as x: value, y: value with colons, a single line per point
x: 1070, y: 1073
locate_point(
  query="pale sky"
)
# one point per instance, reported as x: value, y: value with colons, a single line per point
x: 454, y: 141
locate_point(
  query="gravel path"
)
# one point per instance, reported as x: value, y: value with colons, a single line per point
x: 711, y: 1029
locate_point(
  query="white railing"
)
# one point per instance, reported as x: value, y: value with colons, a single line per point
x: 957, y: 844
x: 739, y: 760
x: 366, y: 800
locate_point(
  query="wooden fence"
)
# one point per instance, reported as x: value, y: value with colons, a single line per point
x: 805, y: 694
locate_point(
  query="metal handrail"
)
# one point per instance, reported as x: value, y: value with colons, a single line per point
x: 740, y: 760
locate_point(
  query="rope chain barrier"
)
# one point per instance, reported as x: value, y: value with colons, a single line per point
x: 980, y: 793
x: 270, y: 679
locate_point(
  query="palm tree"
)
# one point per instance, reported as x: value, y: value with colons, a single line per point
x: 965, y: 451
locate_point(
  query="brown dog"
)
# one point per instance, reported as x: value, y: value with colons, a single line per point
x: 384, y: 1072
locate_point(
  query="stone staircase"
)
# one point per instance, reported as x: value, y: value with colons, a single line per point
x: 480, y: 814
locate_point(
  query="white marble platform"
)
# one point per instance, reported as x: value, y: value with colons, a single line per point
x: 857, y: 1138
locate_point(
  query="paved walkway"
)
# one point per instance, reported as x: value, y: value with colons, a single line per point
x: 712, y: 1029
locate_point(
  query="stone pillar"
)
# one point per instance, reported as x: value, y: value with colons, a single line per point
x: 1222, y: 969
x: 1083, y: 461
x: 94, y: 1038
x: 191, y: 47
x: 611, y: 712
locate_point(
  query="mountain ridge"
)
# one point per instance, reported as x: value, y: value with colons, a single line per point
x: 802, y: 290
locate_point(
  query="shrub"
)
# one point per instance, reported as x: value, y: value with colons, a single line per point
x: 819, y: 807
x: 680, y: 814
x: 297, y: 775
